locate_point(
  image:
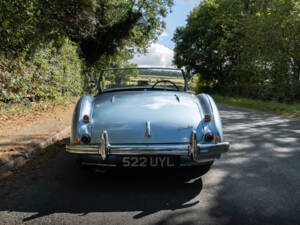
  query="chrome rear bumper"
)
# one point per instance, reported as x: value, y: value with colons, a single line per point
x: 168, y: 149
x: 194, y: 150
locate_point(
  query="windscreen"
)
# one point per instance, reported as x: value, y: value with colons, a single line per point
x: 142, y: 78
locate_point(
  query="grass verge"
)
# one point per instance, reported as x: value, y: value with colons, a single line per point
x: 289, y: 110
x: 10, y: 109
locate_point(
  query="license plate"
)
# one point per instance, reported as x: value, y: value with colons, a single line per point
x: 150, y: 161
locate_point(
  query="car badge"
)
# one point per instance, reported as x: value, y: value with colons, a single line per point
x: 148, y: 130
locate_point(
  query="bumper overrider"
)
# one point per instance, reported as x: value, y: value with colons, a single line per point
x: 193, y: 150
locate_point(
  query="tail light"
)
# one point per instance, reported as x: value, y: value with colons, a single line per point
x: 207, y: 118
x: 86, y: 118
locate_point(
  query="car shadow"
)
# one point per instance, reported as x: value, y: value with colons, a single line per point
x: 53, y: 183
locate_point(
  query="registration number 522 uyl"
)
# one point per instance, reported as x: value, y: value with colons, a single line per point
x: 143, y: 161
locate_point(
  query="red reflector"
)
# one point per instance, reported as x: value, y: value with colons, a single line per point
x: 86, y: 118
x: 207, y: 118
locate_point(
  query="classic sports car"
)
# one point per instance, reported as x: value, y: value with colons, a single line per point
x: 144, y: 117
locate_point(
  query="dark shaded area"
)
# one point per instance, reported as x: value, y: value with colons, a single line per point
x: 107, y: 41
x: 18, y: 145
x: 53, y: 183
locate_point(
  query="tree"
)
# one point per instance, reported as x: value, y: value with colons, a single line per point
x: 99, y: 27
x: 104, y: 33
x: 243, y: 47
x: 207, y: 45
x: 271, y: 48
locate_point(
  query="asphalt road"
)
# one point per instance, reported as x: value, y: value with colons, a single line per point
x: 257, y: 182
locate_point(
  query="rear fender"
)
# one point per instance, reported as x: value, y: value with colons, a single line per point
x: 83, y: 107
x: 209, y: 108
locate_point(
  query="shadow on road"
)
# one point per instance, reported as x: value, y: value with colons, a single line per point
x: 257, y: 181
x: 260, y: 180
x: 53, y: 183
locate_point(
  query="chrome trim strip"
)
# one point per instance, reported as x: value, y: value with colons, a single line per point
x: 99, y: 164
x: 162, y: 147
x: 143, y: 68
x: 216, y: 148
x: 150, y: 152
x: 168, y: 149
x: 82, y: 149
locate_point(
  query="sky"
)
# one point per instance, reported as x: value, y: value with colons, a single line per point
x: 160, y: 53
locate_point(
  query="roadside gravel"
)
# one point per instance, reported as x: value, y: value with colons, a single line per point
x: 20, y: 136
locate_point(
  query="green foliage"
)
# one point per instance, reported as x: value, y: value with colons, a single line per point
x: 292, y: 110
x: 120, y: 25
x: 26, y: 106
x: 38, y: 61
x: 117, y: 78
x: 24, y: 25
x: 50, y: 73
x: 243, y: 48
x: 99, y: 27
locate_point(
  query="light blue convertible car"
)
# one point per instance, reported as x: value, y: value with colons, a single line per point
x: 145, y: 117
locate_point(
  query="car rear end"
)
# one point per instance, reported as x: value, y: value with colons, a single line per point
x: 157, y: 129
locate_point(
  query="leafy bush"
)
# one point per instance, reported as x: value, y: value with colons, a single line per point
x: 50, y: 73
